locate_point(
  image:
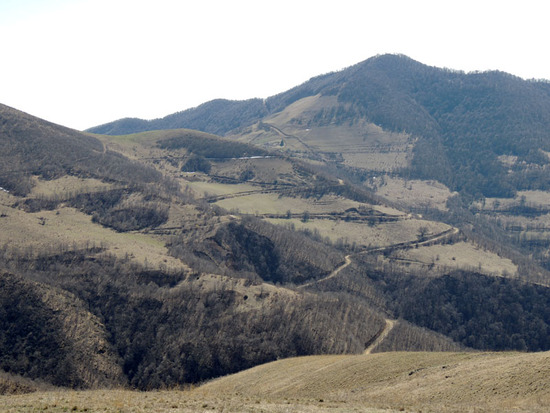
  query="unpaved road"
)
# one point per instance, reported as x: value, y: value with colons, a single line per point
x: 383, y: 334
x: 347, y: 261
x: 434, y: 239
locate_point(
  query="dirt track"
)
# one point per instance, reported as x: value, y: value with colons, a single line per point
x: 332, y: 274
x: 381, y: 336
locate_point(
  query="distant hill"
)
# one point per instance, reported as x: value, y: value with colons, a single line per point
x: 35, y: 147
x: 217, y: 116
x: 465, y: 122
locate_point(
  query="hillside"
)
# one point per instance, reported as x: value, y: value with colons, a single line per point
x: 445, y: 382
x: 34, y: 147
x: 183, y: 256
x: 389, y: 382
x: 217, y: 117
x: 146, y: 271
x: 469, y: 149
x: 463, y: 123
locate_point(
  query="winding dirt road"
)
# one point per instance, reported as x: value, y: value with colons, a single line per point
x: 347, y: 261
x: 381, y: 336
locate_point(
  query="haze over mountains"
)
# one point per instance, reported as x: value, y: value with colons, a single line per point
x: 390, y: 206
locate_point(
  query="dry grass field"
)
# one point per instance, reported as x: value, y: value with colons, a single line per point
x: 272, y: 203
x: 122, y: 401
x: 66, y: 185
x: 446, y: 382
x: 363, y: 234
x: 414, y: 193
x: 381, y: 160
x: 532, y: 198
x: 383, y: 382
x: 462, y: 255
x: 204, y: 188
x: 360, y: 145
x: 67, y: 226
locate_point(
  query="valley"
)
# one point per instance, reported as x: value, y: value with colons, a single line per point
x: 342, y: 245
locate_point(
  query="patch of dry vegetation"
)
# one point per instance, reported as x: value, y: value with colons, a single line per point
x: 363, y: 234
x: 66, y: 185
x: 414, y: 193
x: 275, y: 204
x: 460, y: 255
x: 67, y: 226
x: 177, y: 401
x: 386, y: 382
x: 205, y: 188
x: 310, y: 127
x: 433, y: 381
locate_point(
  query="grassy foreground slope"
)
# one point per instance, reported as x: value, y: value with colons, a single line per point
x: 427, y: 381
x: 386, y: 382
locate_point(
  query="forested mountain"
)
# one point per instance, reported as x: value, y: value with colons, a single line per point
x: 217, y: 116
x: 463, y: 121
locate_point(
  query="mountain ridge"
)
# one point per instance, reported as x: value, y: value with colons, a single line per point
x: 385, y: 62
x: 463, y: 122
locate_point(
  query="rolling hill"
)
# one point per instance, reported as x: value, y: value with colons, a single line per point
x: 147, y: 270
x: 34, y: 147
x: 469, y: 149
x: 445, y: 382
x: 369, y: 210
x: 387, y: 382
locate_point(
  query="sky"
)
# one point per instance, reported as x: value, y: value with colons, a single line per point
x: 81, y: 63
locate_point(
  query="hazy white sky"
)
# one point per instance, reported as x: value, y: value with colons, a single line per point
x: 81, y: 63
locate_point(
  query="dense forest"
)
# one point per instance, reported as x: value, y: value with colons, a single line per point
x: 475, y: 310
x: 217, y: 116
x: 210, y: 147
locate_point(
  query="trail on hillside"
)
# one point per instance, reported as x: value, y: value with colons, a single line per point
x: 434, y: 239
x: 347, y: 261
x: 381, y: 336
x: 286, y: 135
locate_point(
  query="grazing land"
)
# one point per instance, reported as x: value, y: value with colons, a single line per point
x: 383, y: 382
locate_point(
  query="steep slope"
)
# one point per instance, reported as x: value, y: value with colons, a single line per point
x: 47, y: 334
